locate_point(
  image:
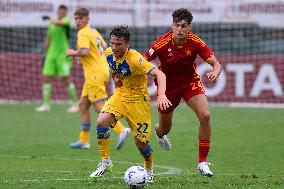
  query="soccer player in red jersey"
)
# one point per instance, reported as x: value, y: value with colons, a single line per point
x: 177, y: 51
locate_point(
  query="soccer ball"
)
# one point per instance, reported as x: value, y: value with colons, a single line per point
x: 136, y: 177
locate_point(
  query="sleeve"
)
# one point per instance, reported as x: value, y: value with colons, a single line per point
x: 104, y: 44
x: 141, y: 65
x: 67, y: 21
x: 151, y: 53
x: 203, y: 50
x: 83, y: 40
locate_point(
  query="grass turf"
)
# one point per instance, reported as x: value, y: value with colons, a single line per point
x: 247, y: 151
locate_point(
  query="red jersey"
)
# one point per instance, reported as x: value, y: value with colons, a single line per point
x: 178, y: 62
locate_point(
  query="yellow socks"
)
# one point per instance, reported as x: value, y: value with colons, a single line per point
x: 103, y: 139
x: 148, y: 157
x: 148, y: 162
x: 118, y: 128
x: 85, y: 132
x: 84, y: 137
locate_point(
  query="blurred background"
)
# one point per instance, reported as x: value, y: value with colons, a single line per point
x: 247, y: 37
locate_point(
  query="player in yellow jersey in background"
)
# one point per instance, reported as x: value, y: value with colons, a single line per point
x: 90, y: 50
x: 130, y: 99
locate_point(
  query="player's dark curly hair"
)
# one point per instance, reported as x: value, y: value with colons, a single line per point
x: 182, y: 14
x: 121, y: 31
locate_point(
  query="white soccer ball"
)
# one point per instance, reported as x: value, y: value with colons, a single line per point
x: 136, y: 177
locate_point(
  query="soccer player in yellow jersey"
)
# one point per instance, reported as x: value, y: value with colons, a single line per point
x: 90, y: 50
x: 130, y: 99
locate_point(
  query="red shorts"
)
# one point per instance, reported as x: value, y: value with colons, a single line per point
x: 186, y: 92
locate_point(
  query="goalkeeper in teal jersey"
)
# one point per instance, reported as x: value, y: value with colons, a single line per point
x: 55, y: 61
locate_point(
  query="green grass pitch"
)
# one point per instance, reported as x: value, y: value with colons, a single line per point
x: 247, y: 151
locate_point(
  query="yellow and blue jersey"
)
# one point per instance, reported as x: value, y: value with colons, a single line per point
x: 131, y: 69
x: 96, y: 61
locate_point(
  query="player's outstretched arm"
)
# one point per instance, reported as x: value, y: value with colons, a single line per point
x: 79, y: 53
x: 217, y: 68
x: 162, y: 101
x: 58, y: 22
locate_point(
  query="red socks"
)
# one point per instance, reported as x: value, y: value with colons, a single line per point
x: 204, y: 146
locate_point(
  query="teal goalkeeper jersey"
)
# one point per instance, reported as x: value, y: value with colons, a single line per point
x: 59, y: 38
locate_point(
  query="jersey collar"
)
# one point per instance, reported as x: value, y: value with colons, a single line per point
x: 177, y: 46
x: 87, y: 26
x: 121, y: 59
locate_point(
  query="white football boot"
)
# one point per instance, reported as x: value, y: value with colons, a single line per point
x: 164, y: 142
x: 203, y: 169
x: 73, y: 108
x: 150, y: 173
x: 104, y: 166
x: 43, y: 108
x: 122, y: 137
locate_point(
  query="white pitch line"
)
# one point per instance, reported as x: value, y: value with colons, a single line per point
x: 61, y: 179
x: 170, y: 170
x: 164, y: 173
x: 106, y: 177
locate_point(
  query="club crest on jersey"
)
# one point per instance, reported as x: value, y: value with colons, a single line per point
x: 151, y: 51
x: 188, y: 53
x: 122, y: 68
x: 169, y: 49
